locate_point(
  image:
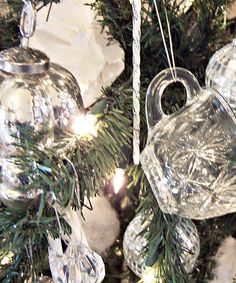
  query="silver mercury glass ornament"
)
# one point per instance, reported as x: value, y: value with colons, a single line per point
x: 221, y: 73
x: 135, y: 243
x: 34, y: 92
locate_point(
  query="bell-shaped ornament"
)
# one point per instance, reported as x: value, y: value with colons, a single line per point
x: 34, y: 92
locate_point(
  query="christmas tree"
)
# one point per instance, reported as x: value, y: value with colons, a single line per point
x: 50, y: 176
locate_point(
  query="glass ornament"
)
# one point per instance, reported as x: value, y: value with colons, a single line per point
x: 135, y: 243
x: 189, y: 156
x: 13, y: 186
x: 35, y: 93
x: 23, y: 97
x: 65, y: 96
x: 221, y: 73
x: 78, y: 264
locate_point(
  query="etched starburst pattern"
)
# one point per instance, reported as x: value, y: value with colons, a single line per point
x: 187, y: 161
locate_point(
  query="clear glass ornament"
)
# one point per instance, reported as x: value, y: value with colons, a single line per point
x: 35, y: 93
x: 78, y: 264
x: 221, y: 73
x: 189, y: 156
x: 135, y: 243
x: 24, y: 102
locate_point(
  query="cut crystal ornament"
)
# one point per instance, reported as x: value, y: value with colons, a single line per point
x: 189, y: 155
x: 135, y: 243
x: 221, y: 73
x: 78, y: 264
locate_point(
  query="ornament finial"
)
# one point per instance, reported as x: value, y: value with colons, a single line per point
x: 27, y: 22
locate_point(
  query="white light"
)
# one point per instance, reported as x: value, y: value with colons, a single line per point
x: 7, y: 259
x: 118, y: 180
x: 149, y: 276
x: 84, y: 125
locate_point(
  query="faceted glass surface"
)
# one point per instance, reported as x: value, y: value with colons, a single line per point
x: 189, y: 159
x: 221, y: 73
x: 78, y: 264
x: 135, y: 244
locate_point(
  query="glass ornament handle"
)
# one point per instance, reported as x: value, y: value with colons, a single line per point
x: 27, y: 22
x: 154, y: 111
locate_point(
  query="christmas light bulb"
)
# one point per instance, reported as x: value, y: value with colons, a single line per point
x: 84, y: 125
x: 149, y: 276
x: 118, y: 180
x: 7, y: 259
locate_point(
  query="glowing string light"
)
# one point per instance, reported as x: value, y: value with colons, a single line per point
x: 118, y: 180
x: 150, y: 275
x: 85, y: 125
x: 7, y: 259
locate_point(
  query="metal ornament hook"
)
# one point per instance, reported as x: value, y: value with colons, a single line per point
x: 27, y: 22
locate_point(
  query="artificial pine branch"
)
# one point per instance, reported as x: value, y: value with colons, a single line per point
x: 95, y: 160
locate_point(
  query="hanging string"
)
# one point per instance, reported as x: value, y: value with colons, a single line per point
x: 58, y: 208
x: 27, y: 22
x: 171, y: 64
x: 77, y: 187
x: 136, y: 5
x: 170, y: 39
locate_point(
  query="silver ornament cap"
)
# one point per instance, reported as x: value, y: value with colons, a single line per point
x: 23, y: 60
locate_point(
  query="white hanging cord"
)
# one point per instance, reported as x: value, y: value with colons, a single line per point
x: 77, y: 187
x: 59, y: 224
x: 77, y: 193
x: 136, y: 4
x: 170, y: 39
x: 171, y: 65
x: 27, y: 22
